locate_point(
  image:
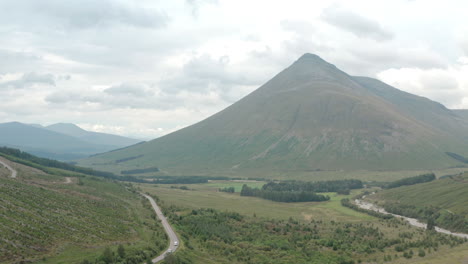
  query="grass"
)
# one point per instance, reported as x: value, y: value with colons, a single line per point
x: 208, y: 196
x: 44, y: 219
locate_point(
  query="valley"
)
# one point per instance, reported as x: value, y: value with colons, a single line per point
x: 271, y: 222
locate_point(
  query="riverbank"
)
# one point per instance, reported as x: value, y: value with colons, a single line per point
x: 412, y: 221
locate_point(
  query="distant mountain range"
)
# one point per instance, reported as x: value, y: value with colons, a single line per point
x: 59, y: 141
x: 310, y: 117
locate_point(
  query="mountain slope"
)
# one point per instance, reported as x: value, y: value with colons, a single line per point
x: 463, y: 113
x: 311, y: 116
x: 92, y: 137
x: 67, y: 217
x: 46, y: 143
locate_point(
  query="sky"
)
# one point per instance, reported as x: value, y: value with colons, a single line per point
x: 145, y: 68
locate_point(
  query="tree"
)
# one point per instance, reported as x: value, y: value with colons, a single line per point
x: 107, y: 256
x: 430, y: 223
x: 121, y: 251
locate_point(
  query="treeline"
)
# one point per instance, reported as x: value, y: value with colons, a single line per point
x: 457, y: 157
x: 430, y: 214
x: 140, y: 171
x: 411, y: 180
x: 283, y: 196
x: 185, y: 179
x: 321, y: 186
x: 347, y: 203
x: 227, y: 189
x: 129, y: 158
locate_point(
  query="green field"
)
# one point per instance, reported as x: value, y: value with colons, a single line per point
x: 208, y: 196
x: 53, y: 219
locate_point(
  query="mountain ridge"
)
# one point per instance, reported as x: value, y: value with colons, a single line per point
x: 99, y: 138
x: 310, y: 116
x: 50, y: 144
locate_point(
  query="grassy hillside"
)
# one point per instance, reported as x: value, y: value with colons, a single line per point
x: 445, y: 199
x: 55, y: 219
x: 310, y: 117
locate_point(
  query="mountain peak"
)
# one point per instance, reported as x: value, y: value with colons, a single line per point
x: 310, y: 56
x: 68, y: 129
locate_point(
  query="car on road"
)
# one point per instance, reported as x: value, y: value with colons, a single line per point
x: 176, y: 243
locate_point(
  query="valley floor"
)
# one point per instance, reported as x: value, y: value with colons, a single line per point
x: 310, y: 231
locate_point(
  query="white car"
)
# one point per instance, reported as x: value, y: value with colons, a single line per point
x: 176, y: 243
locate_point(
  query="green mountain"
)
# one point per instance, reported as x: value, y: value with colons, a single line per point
x: 73, y: 130
x: 311, y: 116
x: 51, y: 144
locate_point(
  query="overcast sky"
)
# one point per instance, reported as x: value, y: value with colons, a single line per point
x: 145, y: 68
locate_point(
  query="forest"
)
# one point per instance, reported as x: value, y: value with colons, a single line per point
x: 411, y: 180
x: 283, y: 196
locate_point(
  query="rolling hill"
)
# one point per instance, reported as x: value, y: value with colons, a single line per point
x: 310, y: 117
x: 113, y: 141
x: 57, y: 142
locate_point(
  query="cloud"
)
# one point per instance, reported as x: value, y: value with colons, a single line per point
x: 14, y: 61
x: 464, y: 46
x: 358, y: 25
x: 442, y: 85
x: 195, y: 5
x: 203, y: 74
x: 141, y: 65
x: 438, y: 80
x: 28, y: 80
x: 128, y: 89
x: 83, y: 14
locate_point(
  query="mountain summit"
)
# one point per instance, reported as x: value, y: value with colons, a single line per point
x: 311, y: 116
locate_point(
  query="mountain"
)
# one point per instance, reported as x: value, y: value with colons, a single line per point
x: 47, y: 143
x: 463, y: 113
x: 92, y: 137
x: 311, y: 116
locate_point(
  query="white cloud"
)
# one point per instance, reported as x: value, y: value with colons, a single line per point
x: 355, y: 23
x: 148, y: 67
x: 447, y: 86
x: 28, y: 80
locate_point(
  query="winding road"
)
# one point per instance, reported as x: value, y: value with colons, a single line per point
x: 13, y: 171
x: 412, y: 221
x: 173, y: 239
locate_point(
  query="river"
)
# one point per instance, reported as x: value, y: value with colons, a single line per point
x: 412, y: 221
